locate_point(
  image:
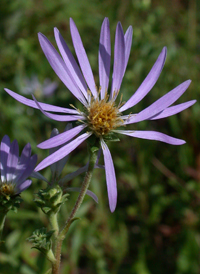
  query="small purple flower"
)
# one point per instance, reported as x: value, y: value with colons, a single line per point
x: 33, y: 85
x: 15, y: 169
x: 101, y: 115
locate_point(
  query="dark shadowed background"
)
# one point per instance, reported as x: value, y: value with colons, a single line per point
x: 155, y: 228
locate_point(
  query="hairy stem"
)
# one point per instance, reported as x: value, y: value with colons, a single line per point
x: 84, y: 187
x: 62, y: 234
x: 54, y: 223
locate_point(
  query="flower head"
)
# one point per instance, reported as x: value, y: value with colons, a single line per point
x: 14, y: 169
x: 101, y: 116
x: 33, y: 85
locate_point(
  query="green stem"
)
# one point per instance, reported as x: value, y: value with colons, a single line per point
x: 2, y: 221
x: 50, y: 256
x: 84, y: 187
x: 54, y: 223
x: 56, y: 265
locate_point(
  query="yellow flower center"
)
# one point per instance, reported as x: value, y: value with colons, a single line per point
x: 7, y: 189
x: 103, y: 116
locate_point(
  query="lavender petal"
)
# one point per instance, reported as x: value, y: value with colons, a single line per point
x: 23, y: 186
x: 12, y: 161
x: 98, y: 156
x: 54, y: 133
x: 62, y: 152
x: 161, y: 104
x: 23, y: 161
x: 59, y: 67
x: 82, y: 58
x: 74, y: 174
x: 119, y: 61
x: 128, y: 42
x: 25, y: 155
x: 148, y: 82
x: 46, y: 107
x: 79, y: 171
x: 27, y: 172
x: 88, y: 192
x: 56, y: 117
x: 152, y: 135
x: 110, y: 177
x: 4, y: 151
x: 61, y: 138
x: 57, y: 167
x: 173, y: 110
x: 104, y: 57
x: 70, y: 62
x: 38, y: 176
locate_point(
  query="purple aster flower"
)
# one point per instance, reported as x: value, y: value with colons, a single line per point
x: 15, y: 169
x: 33, y: 84
x: 101, y: 116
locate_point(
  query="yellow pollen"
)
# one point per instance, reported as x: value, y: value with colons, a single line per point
x: 7, y: 189
x: 103, y: 116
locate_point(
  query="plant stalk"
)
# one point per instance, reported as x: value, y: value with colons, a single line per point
x: 84, y: 187
x: 54, y: 223
x: 2, y: 222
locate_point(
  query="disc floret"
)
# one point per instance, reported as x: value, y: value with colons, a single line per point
x: 103, y: 116
x: 7, y: 189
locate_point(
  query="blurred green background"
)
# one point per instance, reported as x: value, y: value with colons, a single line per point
x: 156, y: 227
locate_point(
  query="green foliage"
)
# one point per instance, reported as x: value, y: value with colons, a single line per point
x: 51, y: 199
x: 41, y: 239
x: 155, y: 228
x: 8, y: 203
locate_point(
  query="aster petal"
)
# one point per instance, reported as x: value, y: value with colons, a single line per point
x: 57, y: 167
x: 54, y: 132
x: 4, y: 149
x: 60, y: 165
x: 88, y: 192
x: 173, y: 110
x: 82, y: 58
x: 48, y: 89
x: 23, y: 186
x: 161, y: 104
x: 152, y: 135
x: 62, y: 152
x: 12, y: 161
x: 23, y: 161
x: 128, y: 42
x: 27, y: 172
x: 53, y: 167
x: 46, y: 107
x: 59, y: 67
x: 98, y: 156
x: 39, y: 176
x: 56, y: 117
x: 104, y: 57
x: 110, y: 177
x: 70, y: 62
x: 119, y: 61
x: 61, y: 138
x: 79, y: 171
x: 25, y: 155
x: 72, y: 175
x: 148, y: 82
